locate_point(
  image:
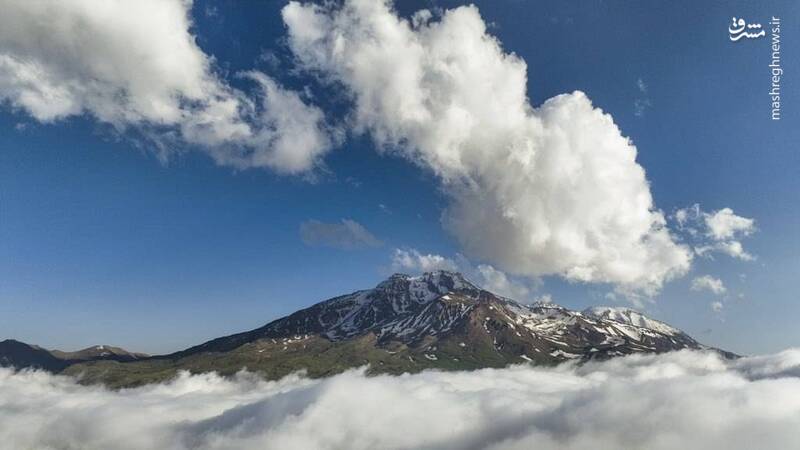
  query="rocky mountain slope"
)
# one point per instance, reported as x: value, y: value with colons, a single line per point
x: 407, y: 324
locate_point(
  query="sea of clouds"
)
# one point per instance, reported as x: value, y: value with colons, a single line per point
x: 687, y: 400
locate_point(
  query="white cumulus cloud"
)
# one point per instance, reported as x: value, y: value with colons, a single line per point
x: 500, y: 283
x: 717, y: 231
x: 734, y: 249
x: 724, y: 224
x: 485, y: 276
x: 552, y: 190
x: 708, y: 283
x: 136, y: 65
x: 677, y: 400
x: 412, y: 260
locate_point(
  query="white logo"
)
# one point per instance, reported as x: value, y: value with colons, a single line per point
x: 738, y: 27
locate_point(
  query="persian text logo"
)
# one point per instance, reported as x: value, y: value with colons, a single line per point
x: 739, y: 29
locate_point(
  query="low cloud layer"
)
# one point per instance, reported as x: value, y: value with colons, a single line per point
x: 136, y: 66
x: 686, y: 400
x: 347, y: 235
x: 553, y: 190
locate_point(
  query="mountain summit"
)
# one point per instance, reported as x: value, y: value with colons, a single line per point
x: 407, y: 324
x: 439, y: 308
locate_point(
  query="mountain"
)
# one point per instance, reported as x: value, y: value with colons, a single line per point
x: 21, y: 355
x: 100, y: 352
x: 407, y: 324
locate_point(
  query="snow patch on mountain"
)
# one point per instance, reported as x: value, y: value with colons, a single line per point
x: 629, y: 317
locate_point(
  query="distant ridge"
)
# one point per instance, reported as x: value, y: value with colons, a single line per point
x: 22, y: 356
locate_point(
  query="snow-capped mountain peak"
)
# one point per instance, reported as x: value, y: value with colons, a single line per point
x: 408, y: 308
x: 411, y: 323
x: 438, y: 310
x: 425, y: 287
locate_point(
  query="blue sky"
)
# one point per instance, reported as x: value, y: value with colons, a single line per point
x: 101, y: 241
